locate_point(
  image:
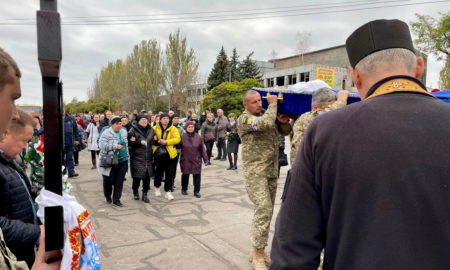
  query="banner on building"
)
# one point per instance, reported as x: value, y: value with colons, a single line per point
x: 326, y: 75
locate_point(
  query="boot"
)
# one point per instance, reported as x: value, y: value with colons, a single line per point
x: 259, y: 259
x: 235, y: 167
x: 231, y: 166
x: 136, y: 195
x: 145, y: 198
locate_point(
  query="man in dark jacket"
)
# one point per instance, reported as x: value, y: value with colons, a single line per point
x: 18, y: 218
x: 71, y: 138
x: 370, y: 184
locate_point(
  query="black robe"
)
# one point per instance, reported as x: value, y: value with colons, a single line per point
x: 371, y: 185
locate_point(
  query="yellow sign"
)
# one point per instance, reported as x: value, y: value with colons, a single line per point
x: 326, y: 75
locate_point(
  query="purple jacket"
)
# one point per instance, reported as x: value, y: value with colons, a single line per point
x: 192, y: 152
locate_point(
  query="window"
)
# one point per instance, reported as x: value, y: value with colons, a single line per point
x: 304, y: 77
x: 280, y: 81
x: 270, y: 82
x: 292, y: 79
x: 343, y: 84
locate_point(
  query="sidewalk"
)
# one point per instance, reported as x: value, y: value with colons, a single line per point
x: 212, y: 232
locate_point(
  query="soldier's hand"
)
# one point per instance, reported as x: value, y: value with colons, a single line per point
x: 76, y: 142
x: 343, y: 94
x: 132, y: 139
x: 119, y: 146
x: 283, y: 118
x: 271, y: 99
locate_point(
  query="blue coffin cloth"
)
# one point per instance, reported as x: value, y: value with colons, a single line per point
x: 299, y: 103
x: 443, y: 95
x: 296, y: 103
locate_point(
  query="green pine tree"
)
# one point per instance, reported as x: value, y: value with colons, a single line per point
x: 219, y: 73
x: 234, y: 67
x: 249, y: 69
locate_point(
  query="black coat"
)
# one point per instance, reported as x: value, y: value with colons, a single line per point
x: 141, y: 156
x: 17, y: 218
x: 371, y: 185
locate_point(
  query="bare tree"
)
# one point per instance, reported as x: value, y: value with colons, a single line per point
x: 303, y: 40
x: 181, y: 70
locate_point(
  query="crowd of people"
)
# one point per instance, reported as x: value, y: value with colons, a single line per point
x: 150, y: 146
x: 367, y: 188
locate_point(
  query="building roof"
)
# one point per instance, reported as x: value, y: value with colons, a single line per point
x: 297, y: 55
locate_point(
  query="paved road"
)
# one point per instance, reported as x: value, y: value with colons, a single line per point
x: 188, y: 233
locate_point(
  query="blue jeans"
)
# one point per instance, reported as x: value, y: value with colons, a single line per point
x: 68, y: 160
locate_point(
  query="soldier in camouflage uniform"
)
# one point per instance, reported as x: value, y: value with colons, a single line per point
x: 323, y: 100
x: 259, y: 133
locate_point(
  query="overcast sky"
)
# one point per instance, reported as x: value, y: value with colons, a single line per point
x: 87, y: 48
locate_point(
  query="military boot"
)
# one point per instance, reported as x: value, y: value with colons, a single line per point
x: 259, y: 259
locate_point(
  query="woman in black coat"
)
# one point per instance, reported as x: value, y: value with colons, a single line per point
x: 233, y: 141
x: 140, y: 141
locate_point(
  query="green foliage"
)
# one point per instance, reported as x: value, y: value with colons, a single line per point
x: 220, y: 72
x: 433, y: 37
x: 228, y: 96
x: 249, y: 69
x: 90, y: 106
x: 234, y: 67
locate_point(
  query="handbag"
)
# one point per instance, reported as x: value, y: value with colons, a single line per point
x: 282, y: 159
x: 110, y: 159
x: 161, y: 151
x: 209, y: 137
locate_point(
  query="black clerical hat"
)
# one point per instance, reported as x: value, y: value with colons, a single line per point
x: 376, y: 36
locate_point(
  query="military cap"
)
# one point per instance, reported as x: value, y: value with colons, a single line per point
x: 376, y: 36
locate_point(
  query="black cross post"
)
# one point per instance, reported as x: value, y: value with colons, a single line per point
x: 49, y: 57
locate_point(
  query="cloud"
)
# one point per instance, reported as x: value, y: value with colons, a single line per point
x: 87, y: 48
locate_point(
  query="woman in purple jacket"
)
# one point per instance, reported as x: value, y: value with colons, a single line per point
x: 192, y: 152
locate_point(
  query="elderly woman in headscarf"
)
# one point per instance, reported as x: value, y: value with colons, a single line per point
x: 192, y: 152
x: 140, y: 142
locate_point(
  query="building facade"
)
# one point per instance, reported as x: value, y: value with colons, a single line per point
x: 330, y: 65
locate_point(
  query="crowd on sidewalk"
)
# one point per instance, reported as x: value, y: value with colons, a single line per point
x: 150, y: 146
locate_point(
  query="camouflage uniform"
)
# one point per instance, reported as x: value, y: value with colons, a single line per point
x: 301, y: 125
x: 259, y: 136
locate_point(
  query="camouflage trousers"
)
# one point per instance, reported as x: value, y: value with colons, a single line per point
x: 261, y: 192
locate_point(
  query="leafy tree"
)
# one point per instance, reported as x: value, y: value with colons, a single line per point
x: 228, y: 96
x: 219, y: 73
x: 249, y: 69
x: 433, y: 37
x: 234, y: 74
x: 182, y: 67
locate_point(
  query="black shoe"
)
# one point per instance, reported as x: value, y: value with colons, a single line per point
x: 209, y: 162
x: 197, y: 195
x: 217, y: 158
x: 223, y: 159
x: 136, y: 196
x: 108, y: 200
x: 118, y: 204
x: 184, y: 192
x: 73, y: 175
x: 235, y: 167
x: 76, y: 164
x: 231, y: 167
x: 145, y: 198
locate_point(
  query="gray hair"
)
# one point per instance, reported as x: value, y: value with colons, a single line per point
x: 387, y: 60
x: 323, y: 95
x: 250, y: 92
